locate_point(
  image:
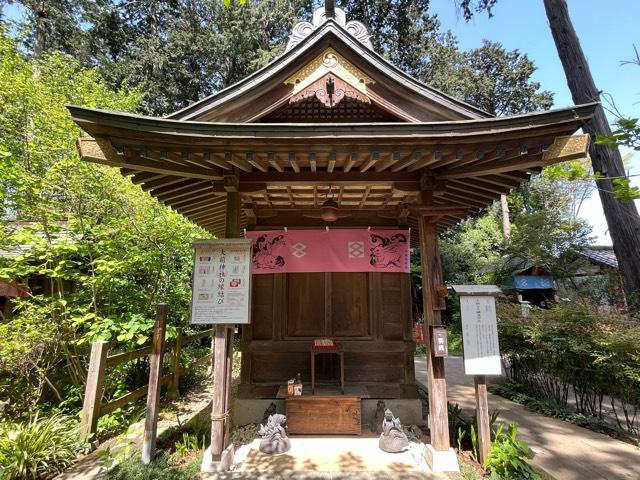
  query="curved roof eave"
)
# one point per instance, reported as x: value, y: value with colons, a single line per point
x: 329, y: 27
x: 88, y: 117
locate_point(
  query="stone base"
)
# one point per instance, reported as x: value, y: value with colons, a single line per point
x: 220, y: 465
x: 408, y: 410
x: 251, y: 410
x: 441, y: 461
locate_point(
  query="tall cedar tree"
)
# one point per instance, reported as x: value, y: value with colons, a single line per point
x: 622, y: 215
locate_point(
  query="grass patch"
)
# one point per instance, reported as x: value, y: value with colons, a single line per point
x: 160, y: 469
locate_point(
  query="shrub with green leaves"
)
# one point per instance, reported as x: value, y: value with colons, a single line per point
x: 38, y: 448
x: 575, y: 350
x: 507, y: 457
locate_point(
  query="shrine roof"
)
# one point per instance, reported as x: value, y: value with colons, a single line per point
x: 407, y: 97
x: 375, y: 170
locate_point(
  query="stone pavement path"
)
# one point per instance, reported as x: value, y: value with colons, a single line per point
x: 295, y: 475
x: 563, y: 450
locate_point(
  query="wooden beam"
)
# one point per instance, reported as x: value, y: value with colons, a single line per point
x: 271, y: 158
x: 394, y: 158
x: 351, y: 160
x: 252, y: 160
x: 162, y: 181
x: 438, y: 211
x: 312, y: 161
x: 427, y: 160
x: 294, y: 162
x: 501, y: 166
x: 101, y: 151
x: 217, y: 160
x: 144, y: 177
x: 234, y: 160
x: 332, y: 161
x: 189, y: 192
x: 371, y: 161
x: 335, y: 178
x: 415, y: 157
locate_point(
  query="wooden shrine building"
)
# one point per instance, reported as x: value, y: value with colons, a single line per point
x: 331, y: 119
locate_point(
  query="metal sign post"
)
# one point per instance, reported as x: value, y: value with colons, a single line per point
x: 481, y: 350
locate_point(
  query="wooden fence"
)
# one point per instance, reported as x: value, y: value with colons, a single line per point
x: 100, y: 362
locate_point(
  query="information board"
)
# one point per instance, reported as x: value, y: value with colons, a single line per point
x: 480, y: 335
x: 221, y: 292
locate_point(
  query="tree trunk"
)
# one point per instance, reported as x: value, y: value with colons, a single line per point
x: 506, y: 222
x: 622, y: 217
x: 40, y: 34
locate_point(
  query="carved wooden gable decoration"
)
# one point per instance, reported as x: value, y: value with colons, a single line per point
x: 330, y: 78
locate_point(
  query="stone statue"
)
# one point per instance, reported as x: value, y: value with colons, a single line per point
x: 376, y: 423
x: 274, y: 437
x: 392, y: 438
x: 270, y: 410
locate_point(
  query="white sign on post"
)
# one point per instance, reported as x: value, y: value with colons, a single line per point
x: 221, y: 291
x: 480, y: 335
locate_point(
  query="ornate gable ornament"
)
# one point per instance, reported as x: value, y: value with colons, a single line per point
x: 301, y: 30
x: 330, y: 77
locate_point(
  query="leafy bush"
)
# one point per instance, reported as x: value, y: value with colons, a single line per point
x: 575, y: 350
x: 39, y: 447
x: 507, y: 457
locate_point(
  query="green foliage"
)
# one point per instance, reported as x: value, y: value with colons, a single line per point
x: 507, y: 455
x: 39, y: 447
x: 189, y: 443
x: 158, y: 469
x: 627, y: 134
x: 454, y: 340
x: 498, y: 81
x: 471, y: 250
x: 575, y: 347
x: 96, y: 251
x: 516, y: 393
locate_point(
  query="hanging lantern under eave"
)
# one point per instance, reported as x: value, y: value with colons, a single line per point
x: 329, y: 211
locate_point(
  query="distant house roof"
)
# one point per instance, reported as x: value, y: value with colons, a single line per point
x: 58, y: 231
x: 602, y: 255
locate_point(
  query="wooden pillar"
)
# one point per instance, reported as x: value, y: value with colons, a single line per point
x: 482, y: 416
x: 219, y: 414
x: 436, y: 383
x: 155, y: 376
x: 94, y: 389
x: 223, y: 340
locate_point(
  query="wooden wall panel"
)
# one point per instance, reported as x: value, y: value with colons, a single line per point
x: 350, y: 305
x: 374, y: 367
x: 280, y: 366
x: 262, y: 307
x: 391, y: 306
x: 305, y: 305
x: 369, y: 313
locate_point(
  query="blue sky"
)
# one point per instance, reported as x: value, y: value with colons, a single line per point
x: 607, y: 30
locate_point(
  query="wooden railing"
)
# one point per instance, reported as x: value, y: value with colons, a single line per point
x: 100, y: 361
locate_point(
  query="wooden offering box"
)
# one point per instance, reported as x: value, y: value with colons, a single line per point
x: 323, y: 415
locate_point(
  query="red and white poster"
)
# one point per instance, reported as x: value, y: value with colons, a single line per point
x: 333, y: 250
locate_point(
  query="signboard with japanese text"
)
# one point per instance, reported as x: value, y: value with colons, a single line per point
x: 221, y: 291
x: 480, y: 335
